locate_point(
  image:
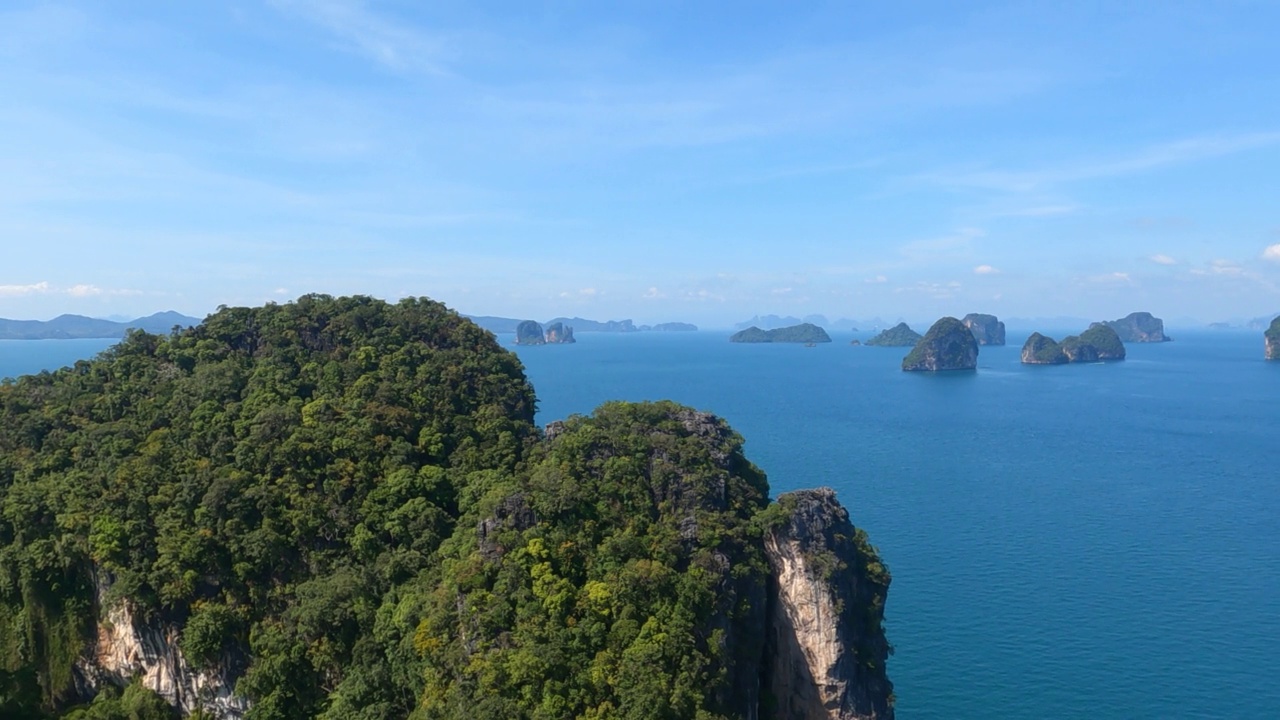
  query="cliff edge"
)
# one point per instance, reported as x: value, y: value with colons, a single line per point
x: 827, y: 648
x: 1272, y: 339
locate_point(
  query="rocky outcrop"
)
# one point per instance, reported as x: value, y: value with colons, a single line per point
x: 899, y: 335
x: 1139, y: 327
x: 1098, y: 343
x: 1271, y: 339
x: 1041, y: 350
x: 986, y: 329
x: 558, y: 333
x: 947, y: 346
x: 128, y: 646
x: 827, y: 649
x: 530, y: 332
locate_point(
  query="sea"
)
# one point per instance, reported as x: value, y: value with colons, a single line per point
x: 1077, y: 541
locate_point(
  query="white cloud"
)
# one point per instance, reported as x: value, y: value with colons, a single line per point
x: 1272, y: 253
x: 985, y: 270
x: 84, y: 290
x: 877, y: 280
x: 1225, y: 267
x: 281, y: 291
x: 1112, y: 278
x: 32, y: 289
x: 1161, y: 259
x: 653, y: 293
x: 588, y: 292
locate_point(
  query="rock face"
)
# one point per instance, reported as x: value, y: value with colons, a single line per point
x: 1272, y: 339
x: 802, y: 333
x: 986, y: 329
x: 530, y: 332
x: 1079, y: 351
x: 1142, y: 327
x: 1041, y: 350
x: 897, y: 336
x: 947, y: 346
x: 827, y: 650
x: 128, y: 647
x: 558, y: 332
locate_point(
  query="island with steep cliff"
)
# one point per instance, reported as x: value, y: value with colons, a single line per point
x: 342, y: 508
x: 948, y: 345
x: 802, y: 333
x: 1139, y: 327
x: 986, y: 329
x: 1099, y: 343
x: 1271, y: 340
x: 531, y: 332
x: 899, y: 335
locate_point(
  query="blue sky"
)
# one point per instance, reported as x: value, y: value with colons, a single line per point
x: 652, y: 160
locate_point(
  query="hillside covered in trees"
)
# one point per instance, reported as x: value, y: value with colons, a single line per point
x: 341, y: 508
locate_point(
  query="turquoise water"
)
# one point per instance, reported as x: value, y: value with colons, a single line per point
x: 1087, y: 541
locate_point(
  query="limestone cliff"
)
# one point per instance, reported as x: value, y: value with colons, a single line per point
x: 827, y: 648
x: 530, y: 332
x: 559, y: 333
x: 986, y: 329
x: 1272, y: 339
x: 947, y: 346
x: 128, y: 646
x: 1142, y: 327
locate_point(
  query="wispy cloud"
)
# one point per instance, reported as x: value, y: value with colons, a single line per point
x: 1162, y: 259
x: 396, y: 46
x: 19, y: 290
x: 985, y: 270
x: 1272, y: 253
x: 1177, y: 152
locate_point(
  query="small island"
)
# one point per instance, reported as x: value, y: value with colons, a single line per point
x: 1099, y: 343
x: 531, y: 332
x: 670, y: 327
x: 1042, y: 350
x: 948, y: 345
x: 1139, y: 327
x: 897, y: 336
x: 803, y: 333
x: 986, y: 329
x: 1272, y: 339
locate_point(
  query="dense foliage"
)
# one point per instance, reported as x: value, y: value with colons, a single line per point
x: 270, y: 478
x: 899, y: 335
x: 1105, y: 340
x: 346, y: 505
x: 1042, y: 350
x: 802, y: 333
x: 948, y: 345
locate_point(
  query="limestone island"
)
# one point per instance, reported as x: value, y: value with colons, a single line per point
x: 948, y: 345
x: 986, y: 329
x: 1272, y: 339
x: 802, y: 333
x: 531, y: 332
x: 1100, y: 342
x: 670, y: 327
x: 361, y: 519
x: 1139, y: 327
x: 897, y: 336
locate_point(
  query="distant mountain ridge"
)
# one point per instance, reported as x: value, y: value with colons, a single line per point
x: 76, y: 327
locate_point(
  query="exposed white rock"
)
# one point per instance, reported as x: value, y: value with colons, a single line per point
x: 129, y: 647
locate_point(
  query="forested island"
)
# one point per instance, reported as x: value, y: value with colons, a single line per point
x: 948, y: 345
x: 342, y: 508
x: 1100, y: 342
x: 1271, y: 340
x: 802, y: 333
x: 899, y: 335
